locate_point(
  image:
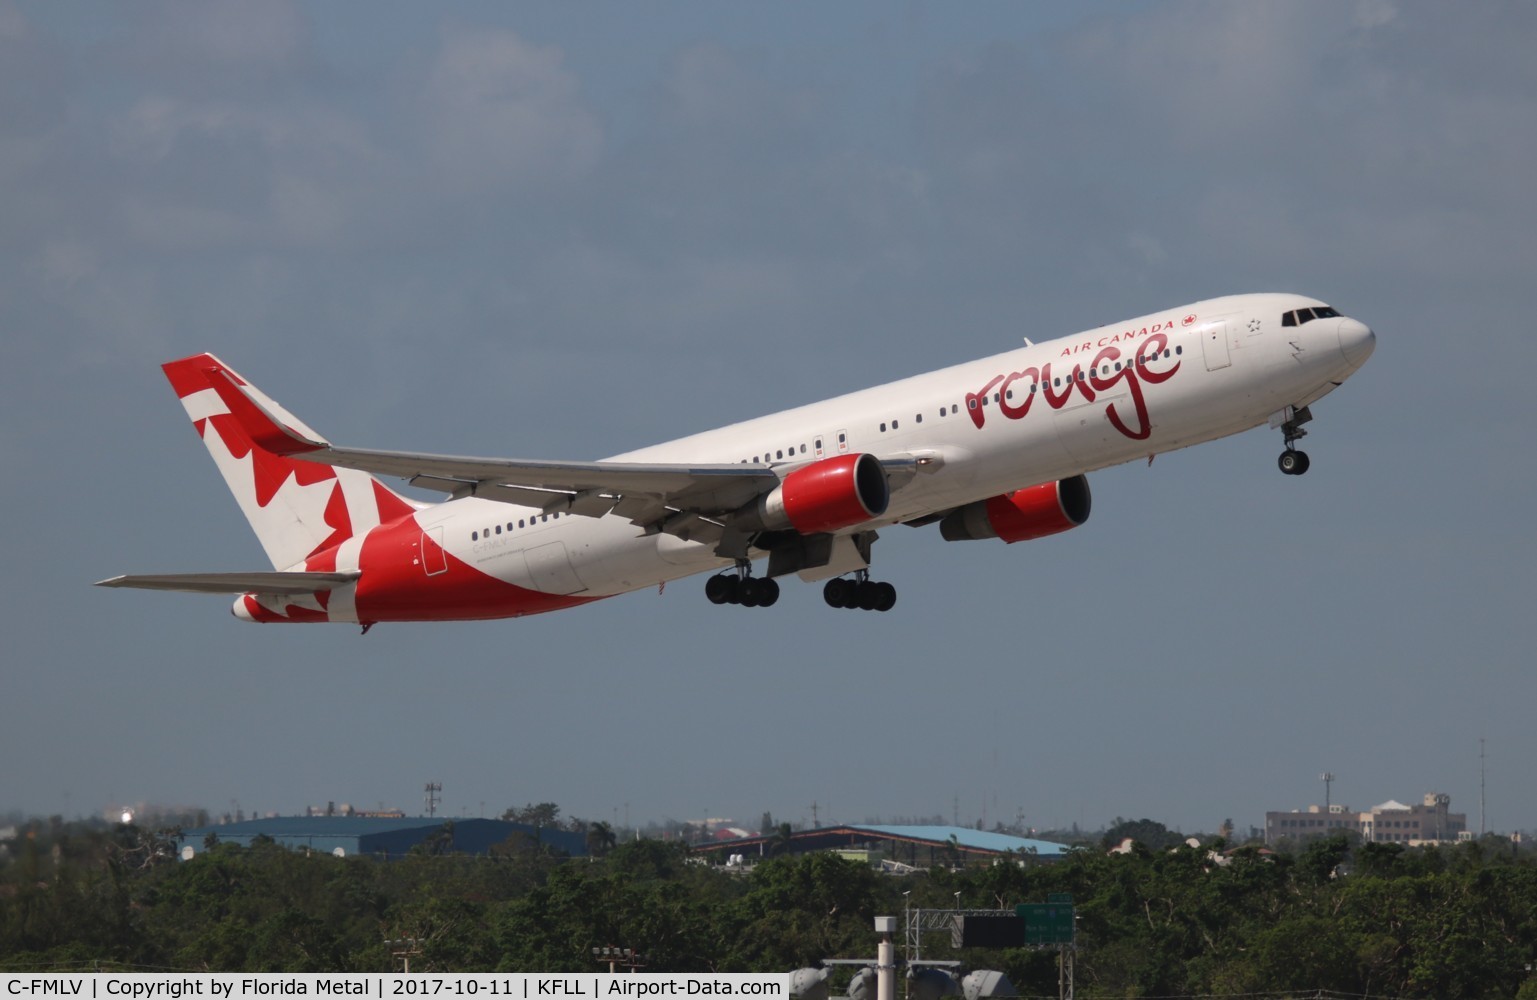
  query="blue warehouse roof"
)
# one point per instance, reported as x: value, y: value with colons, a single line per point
x: 969, y: 839
x: 934, y: 838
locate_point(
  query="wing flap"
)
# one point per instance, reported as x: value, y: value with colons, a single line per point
x: 729, y: 486
x: 286, y: 584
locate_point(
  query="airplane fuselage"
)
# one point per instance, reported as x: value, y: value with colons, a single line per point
x: 1046, y: 411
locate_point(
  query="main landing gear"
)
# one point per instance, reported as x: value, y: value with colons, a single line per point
x: 861, y: 592
x: 745, y: 589
x: 1293, y: 462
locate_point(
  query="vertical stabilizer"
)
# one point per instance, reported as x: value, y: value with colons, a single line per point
x: 301, y: 511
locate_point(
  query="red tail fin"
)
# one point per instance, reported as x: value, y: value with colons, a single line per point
x: 301, y: 511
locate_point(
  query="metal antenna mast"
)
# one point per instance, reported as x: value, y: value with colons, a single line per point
x: 434, y: 796
x: 1328, y: 779
x: 1480, y: 786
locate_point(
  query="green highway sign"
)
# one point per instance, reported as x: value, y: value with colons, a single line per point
x: 1046, y: 923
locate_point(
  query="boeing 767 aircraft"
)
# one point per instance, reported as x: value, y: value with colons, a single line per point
x: 996, y: 448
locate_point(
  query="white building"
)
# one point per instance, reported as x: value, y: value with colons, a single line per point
x: 1391, y: 822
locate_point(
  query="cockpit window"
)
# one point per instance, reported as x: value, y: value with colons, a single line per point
x: 1299, y: 316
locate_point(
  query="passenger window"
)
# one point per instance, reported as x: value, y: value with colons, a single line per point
x: 917, y: 418
x: 893, y: 425
x: 842, y: 437
x: 498, y: 529
x: 474, y: 536
x: 520, y: 522
x: 1180, y: 349
x: 803, y: 449
x: 972, y: 403
x: 779, y: 454
x: 883, y: 426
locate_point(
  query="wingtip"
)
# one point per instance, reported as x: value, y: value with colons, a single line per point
x: 269, y: 431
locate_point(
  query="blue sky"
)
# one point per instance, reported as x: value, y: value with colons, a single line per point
x: 566, y: 231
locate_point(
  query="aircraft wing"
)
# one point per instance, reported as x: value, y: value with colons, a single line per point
x: 706, y: 489
x: 691, y: 501
x: 287, y: 584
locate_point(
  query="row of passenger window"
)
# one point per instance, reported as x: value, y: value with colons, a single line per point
x: 778, y: 454
x: 476, y: 536
x: 1080, y: 375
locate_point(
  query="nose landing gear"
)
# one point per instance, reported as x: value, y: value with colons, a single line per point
x: 1293, y: 462
x: 1290, y: 420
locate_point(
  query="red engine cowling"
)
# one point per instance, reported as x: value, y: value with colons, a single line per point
x: 825, y: 496
x: 1034, y: 512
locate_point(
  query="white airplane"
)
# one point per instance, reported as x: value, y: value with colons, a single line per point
x: 996, y: 448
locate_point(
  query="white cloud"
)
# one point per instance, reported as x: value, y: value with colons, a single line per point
x: 1375, y: 13
x: 502, y: 112
x: 232, y: 41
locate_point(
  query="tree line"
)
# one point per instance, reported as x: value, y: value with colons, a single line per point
x: 1333, y: 915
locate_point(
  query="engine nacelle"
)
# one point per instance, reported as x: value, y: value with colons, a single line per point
x: 1034, y: 512
x: 824, y: 496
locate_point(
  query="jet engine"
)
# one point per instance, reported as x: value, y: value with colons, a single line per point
x: 1033, y: 512
x: 823, y: 496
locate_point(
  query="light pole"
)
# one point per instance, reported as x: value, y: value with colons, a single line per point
x: 886, y: 959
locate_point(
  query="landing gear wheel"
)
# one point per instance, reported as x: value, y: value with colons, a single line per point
x: 720, y: 589
x: 748, y: 591
x: 867, y: 595
x: 836, y: 592
x: 1293, y: 462
x: 885, y: 597
x: 861, y: 594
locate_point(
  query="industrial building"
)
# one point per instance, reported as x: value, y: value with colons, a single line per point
x: 383, y: 837
x: 918, y: 846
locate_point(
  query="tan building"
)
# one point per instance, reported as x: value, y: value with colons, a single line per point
x: 1390, y: 823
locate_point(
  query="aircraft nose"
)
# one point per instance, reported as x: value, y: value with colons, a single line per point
x: 1357, y: 341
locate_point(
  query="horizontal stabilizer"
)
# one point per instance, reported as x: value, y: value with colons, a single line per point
x: 235, y: 583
